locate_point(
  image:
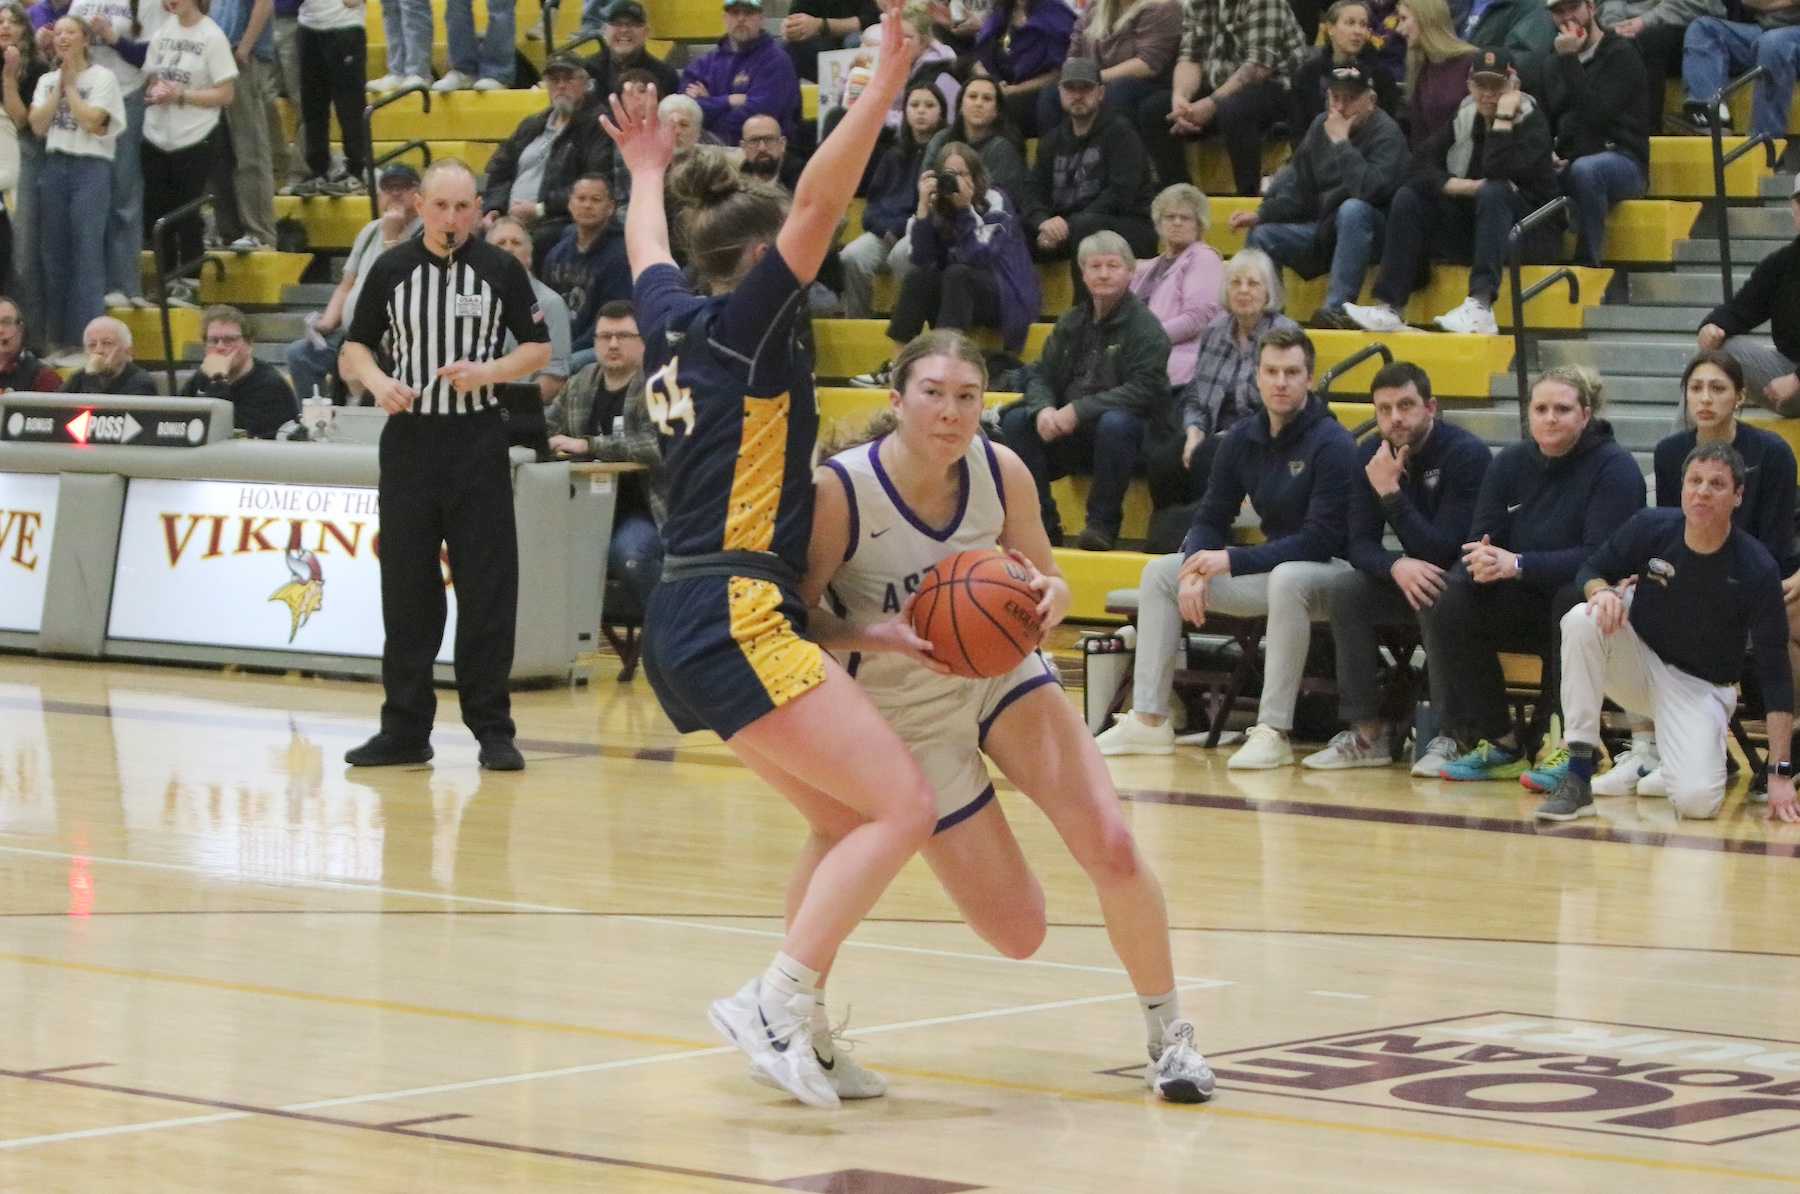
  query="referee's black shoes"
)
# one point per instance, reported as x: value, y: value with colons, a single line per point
x: 385, y: 750
x: 499, y: 754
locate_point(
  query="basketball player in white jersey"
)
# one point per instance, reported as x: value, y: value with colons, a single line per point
x: 885, y: 512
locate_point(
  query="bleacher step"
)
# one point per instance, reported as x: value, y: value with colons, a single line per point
x: 280, y: 325
x: 1746, y: 250
x: 1773, y: 223
x: 1685, y: 289
x: 1647, y: 356
x: 1777, y: 186
x: 302, y: 294
x: 1645, y: 318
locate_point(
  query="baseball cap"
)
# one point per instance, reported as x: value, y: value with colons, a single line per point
x: 1349, y: 78
x: 756, y: 4
x: 398, y: 175
x: 563, y: 63
x: 1493, y: 62
x: 627, y: 12
x: 1081, y: 71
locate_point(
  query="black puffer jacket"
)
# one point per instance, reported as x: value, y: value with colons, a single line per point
x: 581, y: 148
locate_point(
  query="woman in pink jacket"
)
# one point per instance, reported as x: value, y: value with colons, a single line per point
x: 1181, y: 287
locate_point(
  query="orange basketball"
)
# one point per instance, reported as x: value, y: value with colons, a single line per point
x: 979, y: 612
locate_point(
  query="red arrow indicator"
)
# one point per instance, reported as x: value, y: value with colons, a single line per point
x: 77, y: 427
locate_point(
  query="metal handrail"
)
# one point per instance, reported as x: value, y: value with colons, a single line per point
x: 159, y: 237
x: 1721, y: 159
x: 1375, y: 349
x: 1521, y: 295
x: 376, y: 164
x: 368, y: 117
x: 549, y: 15
x: 598, y: 39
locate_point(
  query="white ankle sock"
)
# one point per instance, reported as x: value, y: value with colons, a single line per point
x: 1159, y: 1012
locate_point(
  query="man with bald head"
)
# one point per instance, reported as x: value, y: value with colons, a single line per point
x: 109, y: 368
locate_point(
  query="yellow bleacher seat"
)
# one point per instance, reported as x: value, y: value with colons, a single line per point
x: 1681, y: 167
x: 146, y: 330
x: 686, y: 20
x: 458, y: 115
x: 332, y: 222
x: 809, y: 100
x: 252, y: 279
x: 1647, y: 229
x: 1094, y: 574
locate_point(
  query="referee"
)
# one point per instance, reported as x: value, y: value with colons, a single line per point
x: 436, y: 310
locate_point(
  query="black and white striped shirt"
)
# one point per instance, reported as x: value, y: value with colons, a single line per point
x: 419, y: 312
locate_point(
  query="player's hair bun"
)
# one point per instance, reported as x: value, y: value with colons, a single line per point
x: 706, y: 179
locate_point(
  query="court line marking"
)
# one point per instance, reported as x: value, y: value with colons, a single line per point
x: 1338, y: 994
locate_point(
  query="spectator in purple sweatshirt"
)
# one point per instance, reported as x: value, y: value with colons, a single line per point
x: 1022, y: 46
x: 748, y: 73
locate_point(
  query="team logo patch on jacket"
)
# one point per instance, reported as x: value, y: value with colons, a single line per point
x: 1296, y: 467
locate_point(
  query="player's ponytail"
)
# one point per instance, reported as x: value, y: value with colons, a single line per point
x: 724, y: 214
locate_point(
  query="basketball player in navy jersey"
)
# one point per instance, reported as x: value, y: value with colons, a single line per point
x: 730, y: 387
x: 887, y: 511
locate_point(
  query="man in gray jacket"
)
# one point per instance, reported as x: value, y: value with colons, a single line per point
x: 1325, y: 209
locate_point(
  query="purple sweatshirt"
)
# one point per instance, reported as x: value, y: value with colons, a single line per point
x: 761, y: 72
x: 992, y: 242
x: 1040, y: 44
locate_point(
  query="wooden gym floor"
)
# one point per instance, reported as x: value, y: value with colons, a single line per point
x: 228, y: 964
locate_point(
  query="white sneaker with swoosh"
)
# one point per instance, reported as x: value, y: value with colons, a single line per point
x: 776, y: 1039
x: 850, y: 1080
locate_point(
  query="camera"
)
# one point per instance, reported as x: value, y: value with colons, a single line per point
x: 946, y: 187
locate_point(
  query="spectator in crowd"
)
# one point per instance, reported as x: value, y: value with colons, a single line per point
x: 1546, y: 504
x: 334, y: 54
x: 530, y: 175
x: 1181, y: 286
x: 484, y: 65
x: 1293, y: 461
x: 1091, y: 175
x: 1418, y: 482
x: 1325, y: 210
x: 765, y: 153
x: 115, y: 41
x: 79, y: 111
x: 1437, y: 67
x: 602, y: 415
x: 409, y: 28
x: 982, y: 125
x: 1468, y: 185
x: 1594, y: 83
x: 1347, y: 44
x: 21, y: 66
x: 1522, y: 26
x: 1771, y: 296
x: 1098, y: 393
x: 20, y: 368
x: 1232, y: 75
x: 627, y: 31
x: 892, y: 194
x: 748, y: 72
x: 1712, y: 389
x: 1223, y: 388
x: 243, y: 172
x: 509, y: 235
x: 1135, y: 43
x: 192, y: 76
x: 1385, y: 38
x: 968, y: 264
x: 934, y: 64
x: 1657, y: 29
x: 1022, y: 47
x: 109, y: 368
x: 587, y: 266
x: 261, y: 401
x: 1715, y: 49
x: 312, y: 359
x: 1670, y: 601
x: 812, y: 27
x: 284, y: 83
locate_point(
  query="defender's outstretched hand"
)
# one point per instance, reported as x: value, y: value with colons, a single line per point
x: 645, y: 143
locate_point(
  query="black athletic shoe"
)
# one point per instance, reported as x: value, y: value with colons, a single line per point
x: 499, y: 754
x: 1093, y: 538
x: 386, y: 750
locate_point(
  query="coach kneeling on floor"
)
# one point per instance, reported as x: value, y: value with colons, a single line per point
x: 435, y: 310
x: 1671, y: 599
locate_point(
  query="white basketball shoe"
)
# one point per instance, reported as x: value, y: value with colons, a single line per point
x: 777, y: 1040
x: 1627, y: 775
x: 850, y: 1080
x: 1181, y: 1074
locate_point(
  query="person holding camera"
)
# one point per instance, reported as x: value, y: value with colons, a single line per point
x: 970, y: 266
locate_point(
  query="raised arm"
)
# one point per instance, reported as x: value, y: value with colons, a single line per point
x: 647, y: 147
x: 826, y: 186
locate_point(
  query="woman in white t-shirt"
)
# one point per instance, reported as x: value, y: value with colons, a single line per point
x: 119, y: 28
x: 191, y: 75
x: 78, y: 110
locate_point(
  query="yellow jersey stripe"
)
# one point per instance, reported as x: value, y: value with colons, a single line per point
x: 785, y: 664
x: 755, y: 497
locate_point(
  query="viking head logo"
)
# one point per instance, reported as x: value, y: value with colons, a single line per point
x: 304, y: 595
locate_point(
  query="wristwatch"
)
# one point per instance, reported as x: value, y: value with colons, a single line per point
x: 1783, y: 769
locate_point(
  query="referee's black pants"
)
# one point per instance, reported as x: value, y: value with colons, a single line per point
x: 446, y: 483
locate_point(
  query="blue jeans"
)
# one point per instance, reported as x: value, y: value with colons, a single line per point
x: 496, y: 52
x: 311, y: 367
x: 635, y: 555
x: 74, y: 196
x: 408, y: 25
x: 1359, y: 228
x: 1108, y: 448
x: 1595, y: 183
x: 27, y: 281
x: 1715, y: 49
x: 125, y: 222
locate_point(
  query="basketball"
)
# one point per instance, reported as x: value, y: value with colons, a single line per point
x: 979, y: 613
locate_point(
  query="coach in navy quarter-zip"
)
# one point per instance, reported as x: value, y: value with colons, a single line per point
x: 427, y: 342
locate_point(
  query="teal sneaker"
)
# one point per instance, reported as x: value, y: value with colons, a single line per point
x: 1549, y: 771
x: 1485, y: 762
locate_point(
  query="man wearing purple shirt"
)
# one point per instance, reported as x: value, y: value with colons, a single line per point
x: 749, y: 73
